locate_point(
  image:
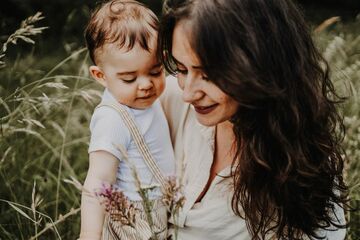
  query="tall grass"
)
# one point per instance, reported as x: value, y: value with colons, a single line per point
x: 44, y: 136
x: 45, y: 112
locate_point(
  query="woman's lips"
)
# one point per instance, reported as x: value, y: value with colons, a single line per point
x: 205, y: 110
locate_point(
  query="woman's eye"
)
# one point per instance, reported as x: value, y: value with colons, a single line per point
x: 181, y: 71
x: 205, y: 77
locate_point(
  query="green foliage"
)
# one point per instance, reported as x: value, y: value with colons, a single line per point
x: 341, y: 48
x: 26, y: 30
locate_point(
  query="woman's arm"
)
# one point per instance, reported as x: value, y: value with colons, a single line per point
x: 335, y: 233
x: 102, y: 169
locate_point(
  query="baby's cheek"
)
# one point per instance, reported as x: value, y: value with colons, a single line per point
x: 161, y: 85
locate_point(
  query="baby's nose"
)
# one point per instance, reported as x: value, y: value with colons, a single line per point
x: 145, y: 84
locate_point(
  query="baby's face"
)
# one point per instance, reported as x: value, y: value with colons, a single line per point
x: 135, y: 78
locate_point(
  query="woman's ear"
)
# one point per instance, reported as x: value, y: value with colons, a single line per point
x: 98, y: 75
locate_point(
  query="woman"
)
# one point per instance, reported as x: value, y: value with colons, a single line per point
x: 257, y: 135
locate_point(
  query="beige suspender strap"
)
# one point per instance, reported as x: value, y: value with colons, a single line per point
x: 139, y: 141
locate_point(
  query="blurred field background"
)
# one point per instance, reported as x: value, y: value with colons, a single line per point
x: 47, y: 98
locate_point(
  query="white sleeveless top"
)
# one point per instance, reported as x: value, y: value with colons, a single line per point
x: 108, y: 131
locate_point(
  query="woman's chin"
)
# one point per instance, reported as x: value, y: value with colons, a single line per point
x: 206, y: 121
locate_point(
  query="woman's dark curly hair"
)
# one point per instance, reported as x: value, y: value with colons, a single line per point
x: 289, y: 161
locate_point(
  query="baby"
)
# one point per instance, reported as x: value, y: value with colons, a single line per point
x: 121, y: 37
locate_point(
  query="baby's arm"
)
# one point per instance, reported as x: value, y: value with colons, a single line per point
x: 107, y: 132
x: 102, y: 169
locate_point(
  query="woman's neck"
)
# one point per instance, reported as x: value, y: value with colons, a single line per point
x: 224, y: 145
x: 225, y: 136
x: 223, y: 154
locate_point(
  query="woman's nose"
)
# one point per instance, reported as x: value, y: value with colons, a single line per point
x: 145, y: 83
x: 191, y: 89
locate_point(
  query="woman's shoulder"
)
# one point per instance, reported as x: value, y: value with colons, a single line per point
x: 172, y: 94
x: 171, y: 101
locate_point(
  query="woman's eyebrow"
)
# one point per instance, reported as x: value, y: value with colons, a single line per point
x: 193, y: 66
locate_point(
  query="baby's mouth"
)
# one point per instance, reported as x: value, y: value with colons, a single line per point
x: 147, y: 96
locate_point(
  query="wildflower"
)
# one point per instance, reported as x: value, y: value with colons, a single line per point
x: 117, y: 205
x: 173, y: 196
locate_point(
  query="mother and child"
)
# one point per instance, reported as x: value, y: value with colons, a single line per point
x: 248, y: 124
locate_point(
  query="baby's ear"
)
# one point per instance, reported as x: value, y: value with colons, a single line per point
x: 98, y: 75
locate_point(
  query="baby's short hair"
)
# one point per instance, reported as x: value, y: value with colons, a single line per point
x: 124, y: 22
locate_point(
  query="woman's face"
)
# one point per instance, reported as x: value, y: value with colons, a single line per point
x: 211, y: 104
